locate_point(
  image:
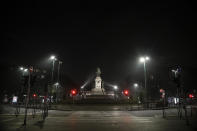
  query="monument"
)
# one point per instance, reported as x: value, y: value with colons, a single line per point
x: 98, y: 89
x: 98, y: 93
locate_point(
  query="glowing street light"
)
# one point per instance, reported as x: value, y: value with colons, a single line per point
x: 52, y: 57
x: 21, y: 68
x: 25, y: 70
x: 115, y: 87
x: 135, y: 85
x: 56, y: 84
x: 147, y: 58
x: 144, y: 60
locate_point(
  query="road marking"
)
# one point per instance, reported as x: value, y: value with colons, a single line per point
x: 171, y: 115
x: 145, y: 121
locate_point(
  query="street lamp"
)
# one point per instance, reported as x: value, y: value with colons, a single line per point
x: 22, y: 69
x: 56, y: 84
x: 135, y: 85
x: 53, y: 59
x: 115, y: 92
x: 25, y: 70
x: 115, y: 87
x: 58, y: 73
x: 147, y: 58
x: 144, y: 60
x: 58, y: 78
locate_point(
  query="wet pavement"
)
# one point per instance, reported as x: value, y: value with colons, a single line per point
x: 97, y: 121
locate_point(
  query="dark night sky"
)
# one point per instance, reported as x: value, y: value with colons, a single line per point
x: 111, y: 36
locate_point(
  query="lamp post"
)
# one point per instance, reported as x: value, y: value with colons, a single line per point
x: 136, y: 95
x: 115, y: 90
x: 28, y: 92
x: 56, y: 85
x: 58, y: 75
x: 58, y: 79
x: 144, y: 60
x: 53, y: 59
x: 135, y: 85
x: 23, y: 71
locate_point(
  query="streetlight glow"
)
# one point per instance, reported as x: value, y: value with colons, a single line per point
x: 56, y: 84
x: 147, y: 58
x: 52, y: 57
x: 175, y: 71
x: 21, y: 68
x: 115, y: 87
x: 135, y: 85
x: 25, y: 70
x: 142, y: 59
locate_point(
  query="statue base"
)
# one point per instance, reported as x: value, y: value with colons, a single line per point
x: 97, y: 91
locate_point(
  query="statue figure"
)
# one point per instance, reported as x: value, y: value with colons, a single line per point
x: 98, y: 72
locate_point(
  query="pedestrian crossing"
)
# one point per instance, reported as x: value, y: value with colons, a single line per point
x: 91, y: 117
x: 81, y: 116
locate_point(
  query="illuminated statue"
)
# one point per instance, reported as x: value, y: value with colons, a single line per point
x: 98, y: 84
x: 98, y: 72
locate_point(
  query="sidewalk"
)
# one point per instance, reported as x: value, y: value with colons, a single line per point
x: 10, y: 110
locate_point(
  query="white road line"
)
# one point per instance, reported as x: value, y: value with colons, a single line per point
x: 145, y: 121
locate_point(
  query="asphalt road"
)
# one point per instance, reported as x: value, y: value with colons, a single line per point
x: 97, y: 121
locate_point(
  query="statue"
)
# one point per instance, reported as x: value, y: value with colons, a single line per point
x: 98, y: 72
x: 97, y: 90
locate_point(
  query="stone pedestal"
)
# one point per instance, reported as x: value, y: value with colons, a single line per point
x: 98, y: 90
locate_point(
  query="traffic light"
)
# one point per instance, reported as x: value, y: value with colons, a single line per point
x: 73, y: 92
x: 162, y: 91
x: 191, y: 96
x: 126, y: 92
x: 34, y: 95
